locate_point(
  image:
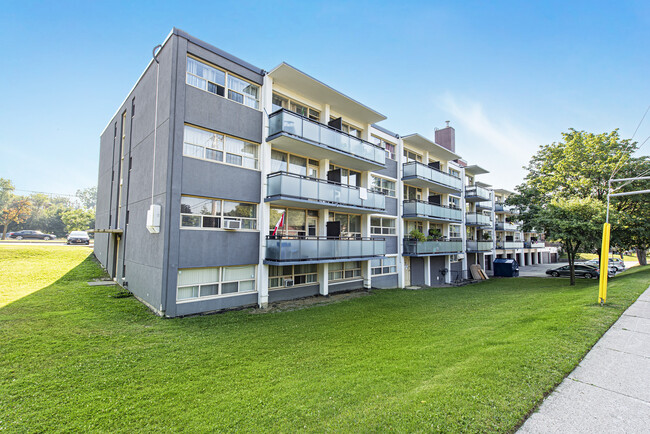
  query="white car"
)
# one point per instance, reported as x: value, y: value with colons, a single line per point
x: 612, y: 269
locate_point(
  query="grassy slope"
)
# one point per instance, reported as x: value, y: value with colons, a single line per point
x: 476, y: 358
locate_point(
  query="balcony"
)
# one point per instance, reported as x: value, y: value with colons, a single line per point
x: 291, y: 132
x: 419, y: 210
x: 474, y: 193
x: 510, y: 244
x: 508, y: 209
x: 423, y: 176
x: 486, y: 205
x: 534, y: 244
x: 432, y: 248
x: 479, y: 246
x: 501, y: 226
x: 472, y: 219
x: 293, y: 190
x: 314, y: 250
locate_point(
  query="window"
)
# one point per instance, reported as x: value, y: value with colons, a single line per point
x: 350, y: 224
x: 389, y: 147
x: 351, y: 130
x: 412, y: 193
x: 412, y: 156
x: 300, y: 274
x: 133, y: 107
x: 297, y: 222
x: 454, y: 231
x: 414, y: 225
x: 200, y: 212
x: 454, y: 202
x: 344, y: 270
x: 296, y: 164
x: 387, y: 265
x: 349, y: 177
x: 382, y: 226
x: 384, y: 185
x: 280, y: 101
x: 209, y: 145
x: 213, y: 80
x: 454, y: 172
x: 197, y: 283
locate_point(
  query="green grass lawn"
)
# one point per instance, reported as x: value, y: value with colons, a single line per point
x: 474, y: 358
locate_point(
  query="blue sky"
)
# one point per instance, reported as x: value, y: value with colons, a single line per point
x: 510, y: 76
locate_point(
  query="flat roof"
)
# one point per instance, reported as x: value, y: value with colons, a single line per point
x: 422, y: 142
x: 292, y: 78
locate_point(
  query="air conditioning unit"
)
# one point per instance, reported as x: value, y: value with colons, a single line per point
x: 288, y: 282
x: 232, y: 224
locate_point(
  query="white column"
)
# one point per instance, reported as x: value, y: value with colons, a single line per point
x: 448, y: 267
x: 427, y: 271
x: 399, y: 186
x: 365, y: 233
x: 325, y: 114
x: 323, y: 279
x: 520, y: 257
x: 264, y: 208
x: 463, y: 227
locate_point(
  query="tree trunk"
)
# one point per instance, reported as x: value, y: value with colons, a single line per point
x: 571, y: 256
x: 4, y: 232
x: 641, y: 256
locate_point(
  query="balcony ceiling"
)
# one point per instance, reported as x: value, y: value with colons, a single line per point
x: 503, y: 192
x: 291, y: 78
x: 421, y: 142
x: 475, y: 169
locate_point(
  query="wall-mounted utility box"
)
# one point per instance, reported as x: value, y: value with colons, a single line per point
x: 153, y: 219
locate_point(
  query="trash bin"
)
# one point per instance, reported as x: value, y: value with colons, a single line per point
x: 504, y: 267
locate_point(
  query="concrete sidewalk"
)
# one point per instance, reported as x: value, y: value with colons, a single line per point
x: 609, y: 391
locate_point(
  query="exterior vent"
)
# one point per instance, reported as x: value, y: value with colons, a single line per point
x: 232, y: 224
x: 288, y: 282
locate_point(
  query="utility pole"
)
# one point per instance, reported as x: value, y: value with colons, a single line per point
x: 604, y: 254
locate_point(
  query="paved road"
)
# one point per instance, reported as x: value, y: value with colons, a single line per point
x: 609, y: 391
x: 539, y: 270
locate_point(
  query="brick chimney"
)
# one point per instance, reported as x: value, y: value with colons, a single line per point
x: 446, y: 137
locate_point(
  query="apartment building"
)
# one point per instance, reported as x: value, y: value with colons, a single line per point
x: 222, y: 185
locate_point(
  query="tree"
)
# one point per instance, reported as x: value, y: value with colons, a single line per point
x: 581, y: 166
x: 576, y: 223
x: 16, y: 211
x: 87, y: 197
x: 78, y: 220
x: 6, y: 192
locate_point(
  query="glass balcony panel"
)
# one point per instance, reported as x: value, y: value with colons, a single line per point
x: 300, y: 249
x: 311, y: 131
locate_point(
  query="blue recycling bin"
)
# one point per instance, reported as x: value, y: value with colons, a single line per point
x: 505, y: 267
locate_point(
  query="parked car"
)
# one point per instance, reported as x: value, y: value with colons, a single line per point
x: 78, y: 237
x: 34, y: 235
x: 585, y: 271
x: 614, y: 263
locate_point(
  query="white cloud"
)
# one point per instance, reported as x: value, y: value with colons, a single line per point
x: 492, y: 141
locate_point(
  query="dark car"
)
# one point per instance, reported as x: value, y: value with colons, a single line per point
x: 585, y: 271
x: 78, y: 237
x: 33, y: 235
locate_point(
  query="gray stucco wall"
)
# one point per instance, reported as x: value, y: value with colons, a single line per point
x: 293, y: 293
x: 391, y: 206
x: 436, y: 263
x: 215, y: 304
x: 389, y: 281
x: 208, y: 248
x: 220, y: 181
x: 417, y: 271
x: 390, y: 170
x: 345, y: 286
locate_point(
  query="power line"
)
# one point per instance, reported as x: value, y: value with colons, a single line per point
x: 640, y: 122
x: 620, y: 163
x: 44, y: 192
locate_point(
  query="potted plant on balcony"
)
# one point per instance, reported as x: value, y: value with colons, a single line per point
x: 416, y: 235
x: 434, y: 235
x: 487, y: 236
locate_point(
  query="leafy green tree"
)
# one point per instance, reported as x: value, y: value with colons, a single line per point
x: 16, y: 211
x: 78, y: 220
x: 576, y: 223
x: 87, y: 197
x: 6, y: 192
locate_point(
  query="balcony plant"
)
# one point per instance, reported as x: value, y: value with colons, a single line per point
x: 434, y: 234
x: 487, y: 236
x: 417, y: 235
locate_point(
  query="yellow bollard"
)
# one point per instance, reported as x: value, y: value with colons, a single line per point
x: 604, y: 265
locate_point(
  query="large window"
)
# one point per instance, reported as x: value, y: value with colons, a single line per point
x: 382, y: 226
x: 209, y: 145
x: 349, y: 177
x: 284, y: 102
x: 211, y: 79
x: 298, y: 274
x: 412, y: 193
x: 295, y: 223
x: 350, y: 224
x: 197, y: 283
x: 387, y: 265
x: 282, y: 161
x: 384, y: 185
x: 388, y: 146
x: 344, y: 270
x: 454, y: 231
x: 207, y: 213
x: 411, y: 156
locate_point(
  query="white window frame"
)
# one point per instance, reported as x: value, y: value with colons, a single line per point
x: 226, y: 85
x: 384, y: 144
x: 223, y: 150
x: 383, y: 188
x: 219, y: 283
x: 381, y: 229
x: 392, y: 269
x: 221, y: 216
x: 355, y: 272
x: 293, y: 276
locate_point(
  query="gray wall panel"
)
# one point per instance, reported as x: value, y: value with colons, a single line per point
x: 221, y: 181
x: 215, y: 304
x: 390, y: 170
x: 437, y: 263
x: 344, y: 286
x: 391, y: 243
x: 293, y: 293
x: 392, y: 207
x: 389, y: 281
x: 223, y: 115
x: 206, y: 248
x: 417, y: 271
